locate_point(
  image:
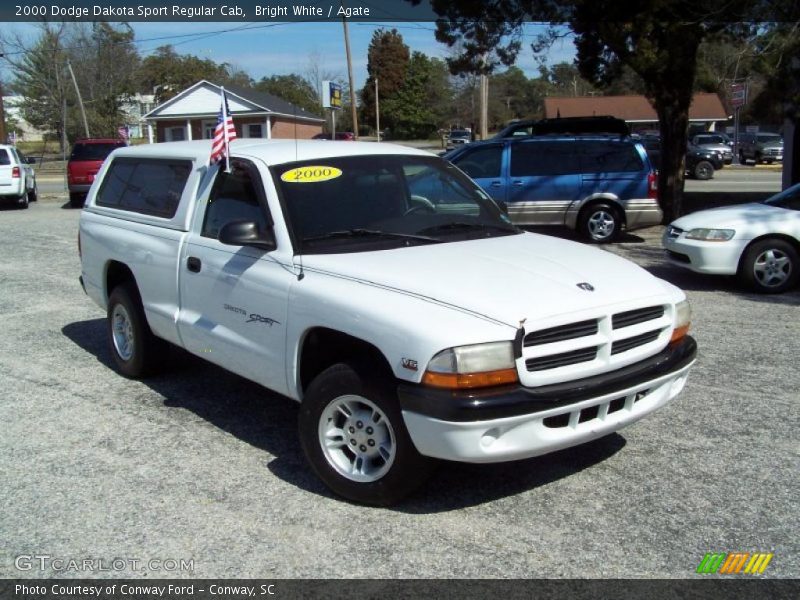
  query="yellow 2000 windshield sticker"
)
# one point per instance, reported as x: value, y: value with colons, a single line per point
x: 311, y: 174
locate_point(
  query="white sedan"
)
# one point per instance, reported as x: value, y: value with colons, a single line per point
x: 759, y: 242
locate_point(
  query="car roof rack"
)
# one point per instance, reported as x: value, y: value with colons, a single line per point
x: 597, y: 125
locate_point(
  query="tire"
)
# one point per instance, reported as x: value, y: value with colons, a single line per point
x: 25, y: 200
x: 600, y: 223
x: 33, y: 195
x: 770, y: 266
x: 369, y: 457
x: 136, y: 351
x: 76, y: 200
x: 742, y: 159
x: 703, y: 170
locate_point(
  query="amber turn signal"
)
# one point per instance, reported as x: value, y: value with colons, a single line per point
x: 469, y: 380
x: 679, y: 333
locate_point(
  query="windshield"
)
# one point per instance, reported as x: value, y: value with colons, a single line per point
x: 459, y: 134
x: 769, y: 138
x: 94, y: 151
x: 360, y: 203
x: 788, y: 198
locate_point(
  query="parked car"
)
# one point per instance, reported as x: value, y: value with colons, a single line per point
x: 458, y: 137
x: 30, y: 172
x: 596, y: 184
x: 760, y: 147
x: 85, y: 160
x: 758, y: 242
x: 410, y: 321
x: 700, y: 163
x: 714, y: 142
x: 17, y: 181
x: 565, y: 126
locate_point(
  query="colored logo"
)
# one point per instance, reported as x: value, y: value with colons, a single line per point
x: 732, y: 563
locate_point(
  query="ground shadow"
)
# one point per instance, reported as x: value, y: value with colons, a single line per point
x: 268, y: 421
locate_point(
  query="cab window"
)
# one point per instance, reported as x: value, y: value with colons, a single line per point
x: 234, y: 197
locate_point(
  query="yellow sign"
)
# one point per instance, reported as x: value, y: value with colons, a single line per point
x: 311, y: 174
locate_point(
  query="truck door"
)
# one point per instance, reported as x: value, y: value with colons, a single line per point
x: 233, y: 299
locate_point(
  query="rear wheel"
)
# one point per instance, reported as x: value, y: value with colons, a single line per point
x: 23, y: 200
x: 136, y: 351
x: 33, y: 195
x: 600, y: 223
x: 770, y: 266
x: 76, y: 199
x: 354, y: 436
x: 703, y: 170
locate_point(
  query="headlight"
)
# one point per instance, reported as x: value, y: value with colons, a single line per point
x: 711, y: 235
x: 683, y: 318
x: 479, y: 365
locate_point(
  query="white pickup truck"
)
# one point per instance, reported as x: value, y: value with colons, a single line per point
x: 384, y: 291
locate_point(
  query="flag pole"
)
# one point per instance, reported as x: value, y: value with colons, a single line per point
x: 225, y: 131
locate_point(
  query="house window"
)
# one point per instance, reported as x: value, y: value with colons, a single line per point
x: 254, y: 130
x: 208, y: 129
x: 176, y: 134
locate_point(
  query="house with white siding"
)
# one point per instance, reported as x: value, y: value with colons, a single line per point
x: 192, y: 115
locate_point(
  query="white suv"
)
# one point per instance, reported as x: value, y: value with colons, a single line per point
x: 384, y: 291
x: 17, y: 179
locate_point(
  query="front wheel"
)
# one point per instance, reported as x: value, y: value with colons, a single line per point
x: 703, y: 170
x: 600, y: 223
x: 354, y: 437
x: 770, y: 266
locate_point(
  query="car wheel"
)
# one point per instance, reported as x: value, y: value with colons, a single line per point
x: 600, y: 223
x: 703, y: 170
x: 353, y: 435
x: 76, y: 200
x: 136, y: 351
x: 742, y: 159
x: 33, y: 195
x: 770, y: 266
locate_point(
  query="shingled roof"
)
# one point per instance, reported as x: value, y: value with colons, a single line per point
x: 633, y: 109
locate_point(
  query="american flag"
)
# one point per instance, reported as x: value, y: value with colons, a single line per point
x: 224, y: 134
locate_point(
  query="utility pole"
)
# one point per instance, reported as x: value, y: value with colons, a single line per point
x: 80, y: 99
x: 377, y: 112
x: 484, y: 100
x: 350, y: 75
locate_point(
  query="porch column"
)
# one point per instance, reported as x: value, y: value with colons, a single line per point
x: 188, y: 129
x: 268, y: 124
x: 150, y: 132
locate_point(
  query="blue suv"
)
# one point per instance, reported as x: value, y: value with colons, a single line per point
x: 597, y: 184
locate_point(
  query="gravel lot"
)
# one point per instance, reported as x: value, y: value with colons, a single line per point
x: 200, y: 464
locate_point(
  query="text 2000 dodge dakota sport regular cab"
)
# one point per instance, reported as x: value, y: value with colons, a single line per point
x: 384, y: 291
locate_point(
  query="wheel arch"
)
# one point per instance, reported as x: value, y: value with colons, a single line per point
x: 116, y: 273
x: 322, y: 347
x: 793, y: 241
x: 578, y: 208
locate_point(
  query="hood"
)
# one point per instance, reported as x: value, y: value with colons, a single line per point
x: 730, y: 216
x: 507, y: 278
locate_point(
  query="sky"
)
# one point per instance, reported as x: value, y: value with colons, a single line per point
x: 281, y: 48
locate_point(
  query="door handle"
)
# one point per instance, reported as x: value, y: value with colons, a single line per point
x: 193, y: 264
x: 518, y: 182
x: 496, y: 184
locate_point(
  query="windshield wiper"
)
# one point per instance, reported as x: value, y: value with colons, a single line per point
x: 463, y: 226
x: 359, y: 232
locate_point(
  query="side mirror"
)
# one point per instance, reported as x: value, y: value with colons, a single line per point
x: 247, y: 233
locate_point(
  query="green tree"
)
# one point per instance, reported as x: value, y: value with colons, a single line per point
x: 387, y: 61
x: 167, y: 73
x: 292, y: 88
x: 410, y: 112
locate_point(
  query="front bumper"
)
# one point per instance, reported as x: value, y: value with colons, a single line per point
x: 515, y: 422
x: 713, y: 258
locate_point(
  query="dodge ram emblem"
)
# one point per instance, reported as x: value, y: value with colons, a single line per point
x: 585, y: 286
